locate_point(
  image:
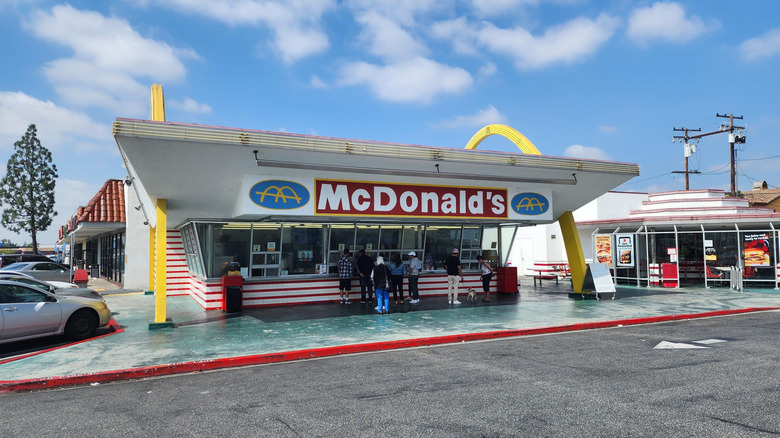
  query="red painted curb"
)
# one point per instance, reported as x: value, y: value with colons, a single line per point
x: 259, y: 359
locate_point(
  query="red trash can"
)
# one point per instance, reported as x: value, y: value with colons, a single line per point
x: 506, y: 276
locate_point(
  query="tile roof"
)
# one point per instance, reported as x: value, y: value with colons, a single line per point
x: 108, y: 205
x: 764, y: 196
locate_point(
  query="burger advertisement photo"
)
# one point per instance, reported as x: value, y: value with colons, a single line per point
x: 603, y: 249
x: 625, y: 250
x: 756, y: 249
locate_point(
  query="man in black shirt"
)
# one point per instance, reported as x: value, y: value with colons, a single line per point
x: 365, y: 264
x: 454, y: 275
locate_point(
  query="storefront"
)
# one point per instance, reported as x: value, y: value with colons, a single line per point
x: 285, y: 206
x: 689, y: 238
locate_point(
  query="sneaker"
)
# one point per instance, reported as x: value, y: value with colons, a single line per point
x: 341, y: 301
x: 408, y: 299
x: 346, y: 302
x: 456, y: 302
x: 450, y: 301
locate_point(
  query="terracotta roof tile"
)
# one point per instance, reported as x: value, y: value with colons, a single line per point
x: 108, y: 205
x: 764, y: 196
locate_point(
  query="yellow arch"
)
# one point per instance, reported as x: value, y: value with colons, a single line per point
x: 512, y: 134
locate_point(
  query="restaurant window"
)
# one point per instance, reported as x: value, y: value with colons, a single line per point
x: 342, y: 237
x: 267, y: 256
x: 305, y: 243
x: 367, y: 238
x: 390, y: 241
x: 413, y: 240
x: 470, y: 247
x: 439, y: 242
x: 490, y: 244
x: 223, y: 243
x: 191, y: 252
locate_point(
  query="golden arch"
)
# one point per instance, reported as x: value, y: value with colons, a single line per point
x: 279, y: 194
x: 512, y: 134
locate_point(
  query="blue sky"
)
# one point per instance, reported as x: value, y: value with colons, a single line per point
x: 594, y: 79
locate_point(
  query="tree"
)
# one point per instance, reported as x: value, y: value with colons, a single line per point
x: 27, y: 189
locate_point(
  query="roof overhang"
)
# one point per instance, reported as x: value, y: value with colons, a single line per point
x: 201, y: 171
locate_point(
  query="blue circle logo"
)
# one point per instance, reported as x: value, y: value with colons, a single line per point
x: 279, y: 195
x: 530, y: 204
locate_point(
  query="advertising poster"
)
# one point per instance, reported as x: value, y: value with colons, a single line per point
x: 603, y: 248
x: 756, y: 247
x: 625, y: 250
x: 710, y: 254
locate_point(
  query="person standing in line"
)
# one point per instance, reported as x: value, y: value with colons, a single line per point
x: 415, y: 265
x: 454, y: 276
x: 487, y: 274
x: 397, y: 274
x: 345, y: 277
x: 381, y: 275
x: 365, y: 265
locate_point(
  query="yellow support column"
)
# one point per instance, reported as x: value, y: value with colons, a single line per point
x: 571, y: 240
x: 152, y: 240
x: 160, y: 291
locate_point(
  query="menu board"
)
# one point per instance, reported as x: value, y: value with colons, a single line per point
x: 625, y: 250
x: 603, y: 248
x: 756, y: 246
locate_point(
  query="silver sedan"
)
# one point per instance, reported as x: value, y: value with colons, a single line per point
x: 46, y: 271
x: 50, y: 286
x: 27, y: 312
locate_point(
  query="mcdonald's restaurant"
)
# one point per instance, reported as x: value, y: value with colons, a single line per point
x: 278, y: 209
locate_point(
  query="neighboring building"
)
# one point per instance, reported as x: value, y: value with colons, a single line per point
x: 762, y: 196
x: 681, y: 237
x: 96, y: 233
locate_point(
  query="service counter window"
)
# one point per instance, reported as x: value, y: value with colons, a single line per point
x: 222, y: 243
x: 470, y: 247
x: 390, y: 241
x: 305, y: 244
x: 191, y: 252
x: 342, y: 236
x: 267, y: 256
x: 413, y: 240
x: 439, y: 242
x: 367, y: 238
x: 490, y: 245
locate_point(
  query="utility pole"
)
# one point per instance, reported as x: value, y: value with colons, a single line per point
x: 689, y: 149
x: 733, y: 138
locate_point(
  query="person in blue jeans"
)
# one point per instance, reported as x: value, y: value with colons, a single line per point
x: 397, y: 274
x: 381, y: 276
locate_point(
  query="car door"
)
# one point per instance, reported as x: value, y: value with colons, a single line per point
x: 50, y: 272
x: 27, y: 312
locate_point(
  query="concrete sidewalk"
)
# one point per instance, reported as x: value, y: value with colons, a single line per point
x: 204, y: 340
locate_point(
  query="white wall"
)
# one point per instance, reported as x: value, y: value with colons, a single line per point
x: 136, y: 244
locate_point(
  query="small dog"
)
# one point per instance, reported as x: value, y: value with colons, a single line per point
x: 472, y: 295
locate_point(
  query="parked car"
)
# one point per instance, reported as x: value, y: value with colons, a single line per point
x: 48, y: 287
x: 57, y: 284
x: 7, y: 259
x: 47, y: 271
x: 27, y: 312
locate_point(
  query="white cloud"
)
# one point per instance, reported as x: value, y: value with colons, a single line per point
x: 188, y: 105
x: 667, y: 22
x: 489, y: 8
x: 564, y: 44
x: 482, y: 118
x: 108, y: 59
x: 316, y: 82
x: 295, y: 23
x: 458, y: 32
x: 765, y: 46
x: 387, y: 39
x: 590, y: 153
x: 70, y: 195
x: 488, y: 69
x: 413, y: 80
x: 567, y: 43
x: 608, y: 129
x: 400, y: 11
x: 59, y: 129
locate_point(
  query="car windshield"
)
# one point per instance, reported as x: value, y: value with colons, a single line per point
x: 14, y: 266
x: 28, y: 281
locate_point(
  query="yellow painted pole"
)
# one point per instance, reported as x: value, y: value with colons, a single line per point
x: 161, y: 248
x: 152, y: 243
x: 571, y: 240
x: 157, y: 104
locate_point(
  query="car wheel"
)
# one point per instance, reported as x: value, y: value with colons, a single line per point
x: 81, y: 325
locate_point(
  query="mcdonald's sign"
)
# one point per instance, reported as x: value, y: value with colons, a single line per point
x: 279, y: 195
x: 529, y: 204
